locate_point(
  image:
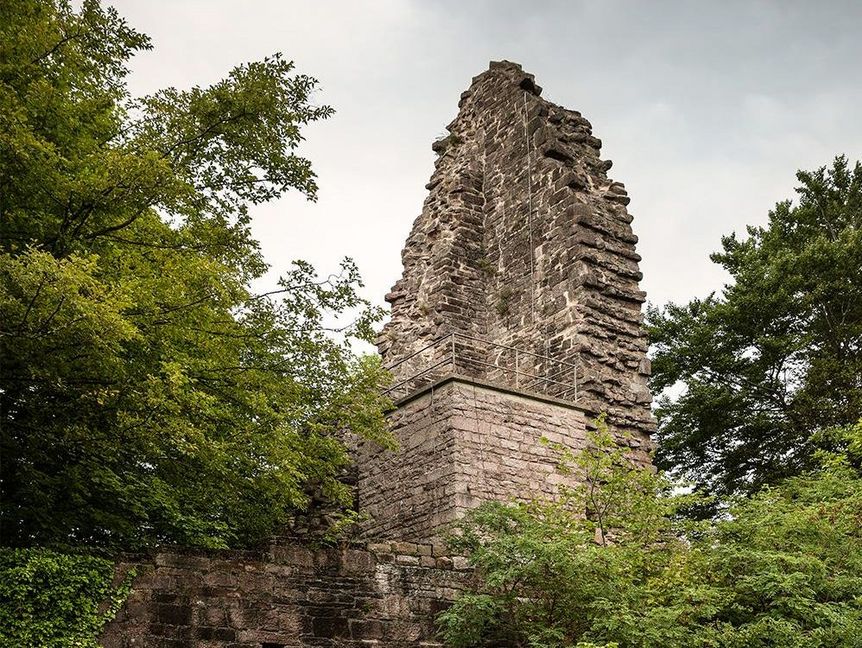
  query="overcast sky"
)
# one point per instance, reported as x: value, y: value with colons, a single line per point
x: 706, y: 108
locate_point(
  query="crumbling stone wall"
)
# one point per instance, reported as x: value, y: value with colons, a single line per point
x: 524, y: 240
x: 288, y: 596
x: 463, y: 443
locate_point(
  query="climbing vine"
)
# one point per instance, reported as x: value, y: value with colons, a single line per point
x: 50, y: 599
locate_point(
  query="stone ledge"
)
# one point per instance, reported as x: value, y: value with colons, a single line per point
x: 502, y: 389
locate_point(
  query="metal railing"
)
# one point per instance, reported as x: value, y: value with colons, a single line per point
x: 466, y: 355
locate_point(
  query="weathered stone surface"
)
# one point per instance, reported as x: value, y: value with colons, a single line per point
x: 286, y: 596
x: 523, y: 244
x: 524, y: 240
x: 461, y: 444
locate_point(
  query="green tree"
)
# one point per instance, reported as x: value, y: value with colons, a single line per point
x: 146, y: 394
x: 757, y: 370
x: 783, y: 569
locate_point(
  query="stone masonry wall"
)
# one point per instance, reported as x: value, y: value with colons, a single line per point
x: 384, y: 596
x: 524, y: 240
x: 461, y: 444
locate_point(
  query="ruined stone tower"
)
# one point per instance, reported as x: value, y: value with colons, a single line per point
x: 518, y: 315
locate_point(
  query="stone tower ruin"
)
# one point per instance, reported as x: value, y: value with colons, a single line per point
x: 518, y: 315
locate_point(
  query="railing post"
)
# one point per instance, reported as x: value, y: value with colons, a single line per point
x: 452, y: 335
x: 517, y: 383
x: 575, y: 381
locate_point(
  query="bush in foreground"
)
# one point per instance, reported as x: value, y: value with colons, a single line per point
x: 613, y: 565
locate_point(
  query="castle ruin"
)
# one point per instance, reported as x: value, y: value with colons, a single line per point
x: 518, y: 316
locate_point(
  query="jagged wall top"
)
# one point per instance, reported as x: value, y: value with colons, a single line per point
x: 525, y: 241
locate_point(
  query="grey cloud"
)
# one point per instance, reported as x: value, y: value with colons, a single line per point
x: 706, y: 108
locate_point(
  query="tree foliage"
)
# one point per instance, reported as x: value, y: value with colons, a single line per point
x: 783, y: 568
x: 777, y: 356
x: 146, y: 393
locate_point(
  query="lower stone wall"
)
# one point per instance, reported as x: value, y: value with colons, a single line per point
x: 383, y: 596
